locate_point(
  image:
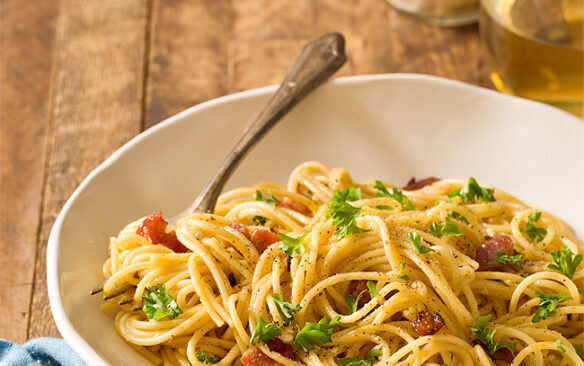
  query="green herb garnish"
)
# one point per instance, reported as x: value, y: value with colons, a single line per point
x: 502, y: 258
x: 204, y: 357
x: 536, y: 234
x: 286, y: 309
x: 343, y: 214
x: 472, y: 191
x: 294, y: 247
x: 565, y: 261
x: 547, y: 305
x: 259, y: 220
x: 416, y: 240
x: 159, y: 304
x: 315, y: 334
x: 486, y: 336
x: 447, y: 229
x: 265, y: 331
x: 396, y: 194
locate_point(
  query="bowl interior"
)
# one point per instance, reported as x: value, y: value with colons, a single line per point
x: 389, y: 127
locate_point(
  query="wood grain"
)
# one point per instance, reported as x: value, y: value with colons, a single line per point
x: 27, y: 44
x: 97, y: 107
x: 75, y: 90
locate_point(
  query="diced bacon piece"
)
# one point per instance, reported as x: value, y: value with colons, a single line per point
x: 262, y: 239
x: 426, y: 323
x: 294, y: 205
x: 255, y: 357
x: 277, y: 345
x: 241, y: 228
x: 153, y: 228
x: 486, y: 252
x: 413, y: 184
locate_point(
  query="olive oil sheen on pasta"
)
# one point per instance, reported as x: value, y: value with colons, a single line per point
x: 534, y: 49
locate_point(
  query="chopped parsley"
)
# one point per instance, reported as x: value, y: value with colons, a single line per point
x: 485, y: 335
x: 373, y: 355
x: 472, y: 191
x: 269, y: 199
x: 547, y: 305
x: 402, y: 266
x: 456, y: 215
x: 315, y: 334
x: 343, y: 214
x: 352, y: 302
x: 503, y: 258
x: 447, y: 229
x: 396, y: 194
x: 560, y: 348
x: 565, y: 261
x: 204, y: 357
x: 416, y: 240
x: 286, y: 309
x: 159, y: 304
x: 265, y: 331
x: 259, y: 220
x: 536, y: 234
x: 581, y: 351
x: 294, y: 247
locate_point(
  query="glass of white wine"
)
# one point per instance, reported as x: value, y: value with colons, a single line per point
x: 535, y: 49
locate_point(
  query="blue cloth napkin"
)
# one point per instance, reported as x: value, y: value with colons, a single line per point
x: 38, y: 352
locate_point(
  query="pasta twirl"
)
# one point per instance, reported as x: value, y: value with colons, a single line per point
x: 388, y: 277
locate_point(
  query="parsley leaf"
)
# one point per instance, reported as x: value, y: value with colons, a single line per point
x: 344, y: 215
x: 294, y: 247
x: 447, y: 229
x: 206, y: 358
x: 352, y: 302
x: 456, y: 215
x: 565, y: 261
x: 581, y: 351
x: 547, y: 305
x: 286, y: 309
x: 373, y: 355
x: 561, y: 348
x: 402, y: 266
x: 347, y: 361
x: 396, y: 194
x: 416, y: 240
x: 536, y: 234
x: 158, y: 303
x: 269, y: 199
x: 372, y: 288
x: 472, y: 191
x: 485, y: 335
x: 259, y: 220
x: 265, y: 331
x: 315, y: 334
x: 502, y: 258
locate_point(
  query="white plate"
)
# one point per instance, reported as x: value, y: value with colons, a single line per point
x: 388, y: 127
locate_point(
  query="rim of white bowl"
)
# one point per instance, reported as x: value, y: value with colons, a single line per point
x: 66, y: 328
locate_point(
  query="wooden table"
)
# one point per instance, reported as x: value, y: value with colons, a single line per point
x: 80, y: 78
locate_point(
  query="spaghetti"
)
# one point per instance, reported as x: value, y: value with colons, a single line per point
x: 441, y: 272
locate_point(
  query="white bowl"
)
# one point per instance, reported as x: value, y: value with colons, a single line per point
x: 389, y: 127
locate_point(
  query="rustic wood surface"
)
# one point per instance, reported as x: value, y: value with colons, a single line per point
x: 80, y: 78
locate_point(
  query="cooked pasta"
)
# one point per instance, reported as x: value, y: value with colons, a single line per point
x: 441, y: 272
